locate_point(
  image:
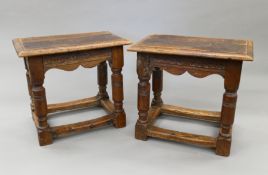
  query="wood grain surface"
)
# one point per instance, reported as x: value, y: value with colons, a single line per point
x: 183, y: 137
x: 211, y: 116
x: 66, y: 43
x: 68, y: 52
x: 196, y: 46
x: 199, y: 57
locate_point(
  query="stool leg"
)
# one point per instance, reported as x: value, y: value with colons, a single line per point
x: 157, y: 87
x: 39, y: 99
x: 102, y: 80
x: 144, y: 74
x: 29, y: 84
x: 117, y: 86
x: 231, y: 84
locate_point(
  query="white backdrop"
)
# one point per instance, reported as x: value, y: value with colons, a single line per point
x: 116, y: 151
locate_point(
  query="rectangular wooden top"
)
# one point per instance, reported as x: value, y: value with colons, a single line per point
x: 46, y: 45
x: 196, y: 46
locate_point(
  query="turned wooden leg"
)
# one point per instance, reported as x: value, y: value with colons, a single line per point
x: 117, y: 86
x: 231, y: 84
x: 29, y: 84
x: 144, y: 74
x: 157, y: 87
x: 35, y: 65
x: 102, y: 80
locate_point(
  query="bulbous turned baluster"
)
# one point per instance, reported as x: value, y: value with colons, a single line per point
x: 29, y: 84
x: 144, y: 74
x: 157, y: 87
x: 231, y: 84
x: 117, y: 86
x: 36, y: 72
x: 102, y: 80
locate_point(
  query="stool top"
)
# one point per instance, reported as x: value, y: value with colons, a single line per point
x: 196, y: 46
x: 46, y: 45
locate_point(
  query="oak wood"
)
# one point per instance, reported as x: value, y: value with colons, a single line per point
x: 153, y: 113
x: 157, y: 86
x: 117, y: 64
x: 68, y: 52
x: 102, y: 80
x: 144, y: 75
x: 107, y: 105
x: 53, y: 44
x: 196, y: 46
x: 231, y: 84
x: 64, y: 130
x: 195, y: 139
x: 200, y: 57
x: 72, y: 60
x: 29, y: 83
x: 36, y: 72
x: 211, y: 116
x: 71, y: 105
x: 178, y: 65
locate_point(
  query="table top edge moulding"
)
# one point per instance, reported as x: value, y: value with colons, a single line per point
x: 54, y: 44
x: 241, y: 50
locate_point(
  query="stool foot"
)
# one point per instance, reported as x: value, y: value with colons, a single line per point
x: 44, y: 137
x: 120, y: 120
x: 140, y: 131
x: 223, y: 146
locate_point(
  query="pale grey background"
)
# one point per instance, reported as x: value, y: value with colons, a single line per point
x: 115, y: 151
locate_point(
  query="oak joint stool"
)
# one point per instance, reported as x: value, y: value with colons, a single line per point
x: 199, y: 57
x: 68, y: 52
